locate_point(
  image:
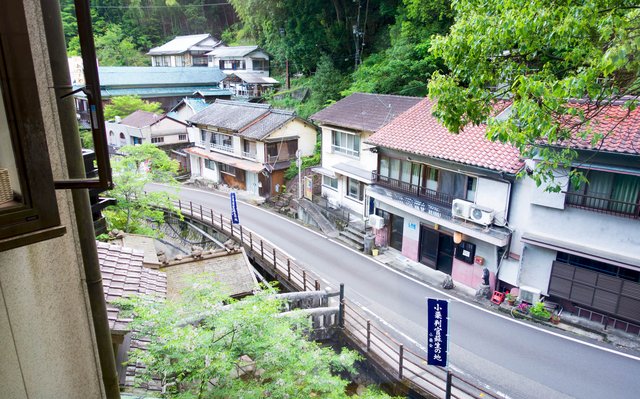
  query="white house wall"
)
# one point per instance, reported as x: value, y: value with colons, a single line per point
x: 493, y: 194
x: 306, y: 135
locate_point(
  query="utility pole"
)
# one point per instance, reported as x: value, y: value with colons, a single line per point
x: 299, y: 164
x: 288, y: 80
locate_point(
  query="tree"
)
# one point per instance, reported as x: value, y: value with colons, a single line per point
x: 244, y: 349
x: 123, y: 106
x: 141, y: 164
x: 114, y: 48
x: 538, y: 55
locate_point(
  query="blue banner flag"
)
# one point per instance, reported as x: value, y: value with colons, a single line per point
x: 437, y: 331
x: 234, y: 209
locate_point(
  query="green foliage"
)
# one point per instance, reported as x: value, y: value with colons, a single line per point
x: 537, y: 54
x: 140, y: 165
x: 103, y: 237
x: 243, y: 349
x: 538, y: 310
x: 86, y: 138
x: 123, y: 106
x: 307, y: 162
x: 114, y: 48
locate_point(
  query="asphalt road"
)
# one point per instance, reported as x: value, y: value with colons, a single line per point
x: 510, y: 357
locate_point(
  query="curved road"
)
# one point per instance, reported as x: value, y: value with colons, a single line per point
x: 513, y: 358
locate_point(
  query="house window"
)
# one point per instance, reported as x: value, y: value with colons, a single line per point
x: 608, y: 192
x: 330, y: 182
x: 182, y: 137
x: 227, y: 169
x: 222, y: 141
x: 180, y: 61
x: 345, y: 143
x: 260, y: 64
x: 233, y: 64
x: 123, y: 140
x: 156, y: 140
x: 112, y: 138
x: 471, y: 188
x: 209, y: 164
x: 355, y: 189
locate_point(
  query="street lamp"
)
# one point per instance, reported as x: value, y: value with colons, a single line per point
x: 299, y: 165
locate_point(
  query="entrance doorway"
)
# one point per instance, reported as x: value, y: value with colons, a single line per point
x: 395, y: 224
x: 436, y: 249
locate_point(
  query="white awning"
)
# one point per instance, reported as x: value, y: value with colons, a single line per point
x: 354, y: 171
x: 509, y: 270
x: 574, y: 248
x: 323, y: 171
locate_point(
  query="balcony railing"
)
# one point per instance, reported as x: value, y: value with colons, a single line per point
x: 412, y: 189
x: 603, y: 205
x: 221, y: 147
x: 251, y: 155
x: 279, y: 158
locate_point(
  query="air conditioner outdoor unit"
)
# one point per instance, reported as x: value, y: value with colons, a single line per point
x: 529, y: 294
x: 461, y: 208
x: 375, y: 221
x: 481, y: 215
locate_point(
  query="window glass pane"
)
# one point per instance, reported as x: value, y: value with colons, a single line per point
x: 599, y: 189
x: 471, y: 188
x: 405, y: 175
x: 432, y: 179
x: 384, y: 166
x: 415, y: 173
x: 626, y: 191
x: 356, y: 144
x: 395, y: 169
x: 328, y: 181
x: 9, y: 181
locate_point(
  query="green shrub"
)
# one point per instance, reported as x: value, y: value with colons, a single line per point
x: 538, y: 310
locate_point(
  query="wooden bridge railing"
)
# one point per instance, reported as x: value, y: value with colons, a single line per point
x: 409, y: 367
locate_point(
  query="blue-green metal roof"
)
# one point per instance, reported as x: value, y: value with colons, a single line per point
x: 152, y: 92
x: 165, y: 76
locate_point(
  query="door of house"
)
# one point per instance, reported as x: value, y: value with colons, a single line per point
x: 436, y: 249
x: 397, y: 228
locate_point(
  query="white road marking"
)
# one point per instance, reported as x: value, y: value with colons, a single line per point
x: 443, y: 293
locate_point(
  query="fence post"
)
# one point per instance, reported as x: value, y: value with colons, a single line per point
x: 221, y: 226
x: 241, y: 238
x: 317, y: 285
x: 275, y: 263
x: 400, y: 359
x: 341, y: 311
x: 212, y: 222
x: 179, y: 204
x: 201, y: 214
x: 368, y: 335
x: 304, y: 280
x: 261, y: 250
x: 288, y: 269
x: 449, y: 384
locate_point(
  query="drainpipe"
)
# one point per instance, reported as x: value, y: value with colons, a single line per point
x: 81, y: 204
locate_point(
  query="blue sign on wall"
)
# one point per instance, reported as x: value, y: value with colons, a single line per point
x: 437, y: 331
x: 234, y: 209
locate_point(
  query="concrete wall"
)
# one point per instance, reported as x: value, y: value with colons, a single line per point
x: 605, y: 233
x: 47, y: 343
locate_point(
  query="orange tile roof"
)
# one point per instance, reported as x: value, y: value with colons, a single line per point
x: 417, y: 131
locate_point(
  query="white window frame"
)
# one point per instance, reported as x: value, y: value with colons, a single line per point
x: 360, y: 194
x: 331, y: 181
x: 343, y: 147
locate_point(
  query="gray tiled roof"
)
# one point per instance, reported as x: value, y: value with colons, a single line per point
x: 180, y: 44
x: 230, y: 115
x: 263, y: 127
x: 111, y: 77
x: 141, y: 119
x: 123, y: 275
x: 232, y: 51
x: 364, y: 112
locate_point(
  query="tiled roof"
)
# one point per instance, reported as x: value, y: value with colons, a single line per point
x: 124, y: 276
x: 231, y: 115
x: 113, y: 76
x: 140, y: 119
x: 364, y: 112
x: 180, y: 44
x: 232, y: 51
x: 267, y: 124
x: 619, y: 126
x: 418, y: 132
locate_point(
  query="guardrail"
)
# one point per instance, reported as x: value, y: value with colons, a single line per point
x: 407, y: 366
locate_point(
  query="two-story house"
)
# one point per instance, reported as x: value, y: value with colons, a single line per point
x: 240, y: 59
x: 347, y: 163
x: 184, y: 51
x: 442, y: 199
x: 248, y: 146
x: 146, y: 127
x: 581, y: 246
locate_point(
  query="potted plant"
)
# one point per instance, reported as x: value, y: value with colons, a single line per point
x: 511, y: 299
x: 539, y: 312
x: 555, y: 318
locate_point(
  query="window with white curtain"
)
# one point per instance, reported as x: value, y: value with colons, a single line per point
x: 345, y: 143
